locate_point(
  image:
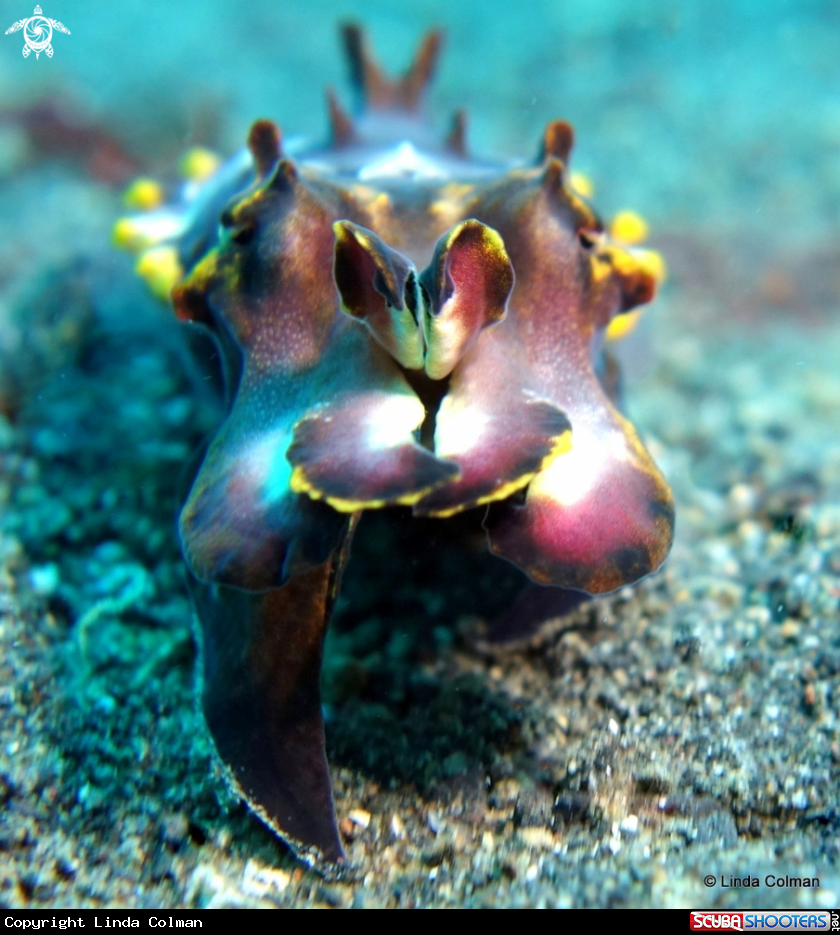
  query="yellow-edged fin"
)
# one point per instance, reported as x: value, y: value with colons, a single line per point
x: 562, y: 445
x: 160, y: 268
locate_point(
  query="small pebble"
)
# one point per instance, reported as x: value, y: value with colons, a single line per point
x: 45, y: 578
x: 359, y: 817
x: 397, y: 827
x: 790, y: 629
x: 630, y: 824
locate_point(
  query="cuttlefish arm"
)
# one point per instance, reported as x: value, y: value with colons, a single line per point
x: 279, y: 479
x: 260, y: 693
x: 600, y: 515
x: 242, y: 524
x: 597, y: 513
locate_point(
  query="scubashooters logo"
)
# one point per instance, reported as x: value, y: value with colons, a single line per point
x: 764, y: 921
x: 37, y: 33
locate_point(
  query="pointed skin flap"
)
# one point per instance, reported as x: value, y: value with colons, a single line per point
x: 456, y: 139
x: 265, y: 143
x: 558, y: 140
x: 378, y: 92
x: 378, y: 286
x: 342, y: 131
x: 468, y: 284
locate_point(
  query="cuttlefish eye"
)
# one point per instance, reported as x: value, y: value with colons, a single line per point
x: 241, y: 230
x: 244, y: 235
x: 589, y: 239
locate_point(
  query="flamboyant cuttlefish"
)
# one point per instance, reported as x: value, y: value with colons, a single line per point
x: 400, y: 324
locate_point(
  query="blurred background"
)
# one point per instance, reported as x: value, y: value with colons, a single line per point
x: 718, y: 117
x: 718, y: 121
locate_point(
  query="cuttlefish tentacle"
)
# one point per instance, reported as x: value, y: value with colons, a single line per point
x: 260, y: 693
x: 596, y: 518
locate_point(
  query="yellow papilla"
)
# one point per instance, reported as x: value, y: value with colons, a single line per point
x: 160, y: 269
x: 622, y: 325
x: 629, y: 260
x: 629, y: 227
x: 652, y: 262
x: 128, y: 235
x: 144, y: 194
x: 582, y: 184
x: 198, y: 164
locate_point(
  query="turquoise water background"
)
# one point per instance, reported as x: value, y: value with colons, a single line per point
x: 717, y: 116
